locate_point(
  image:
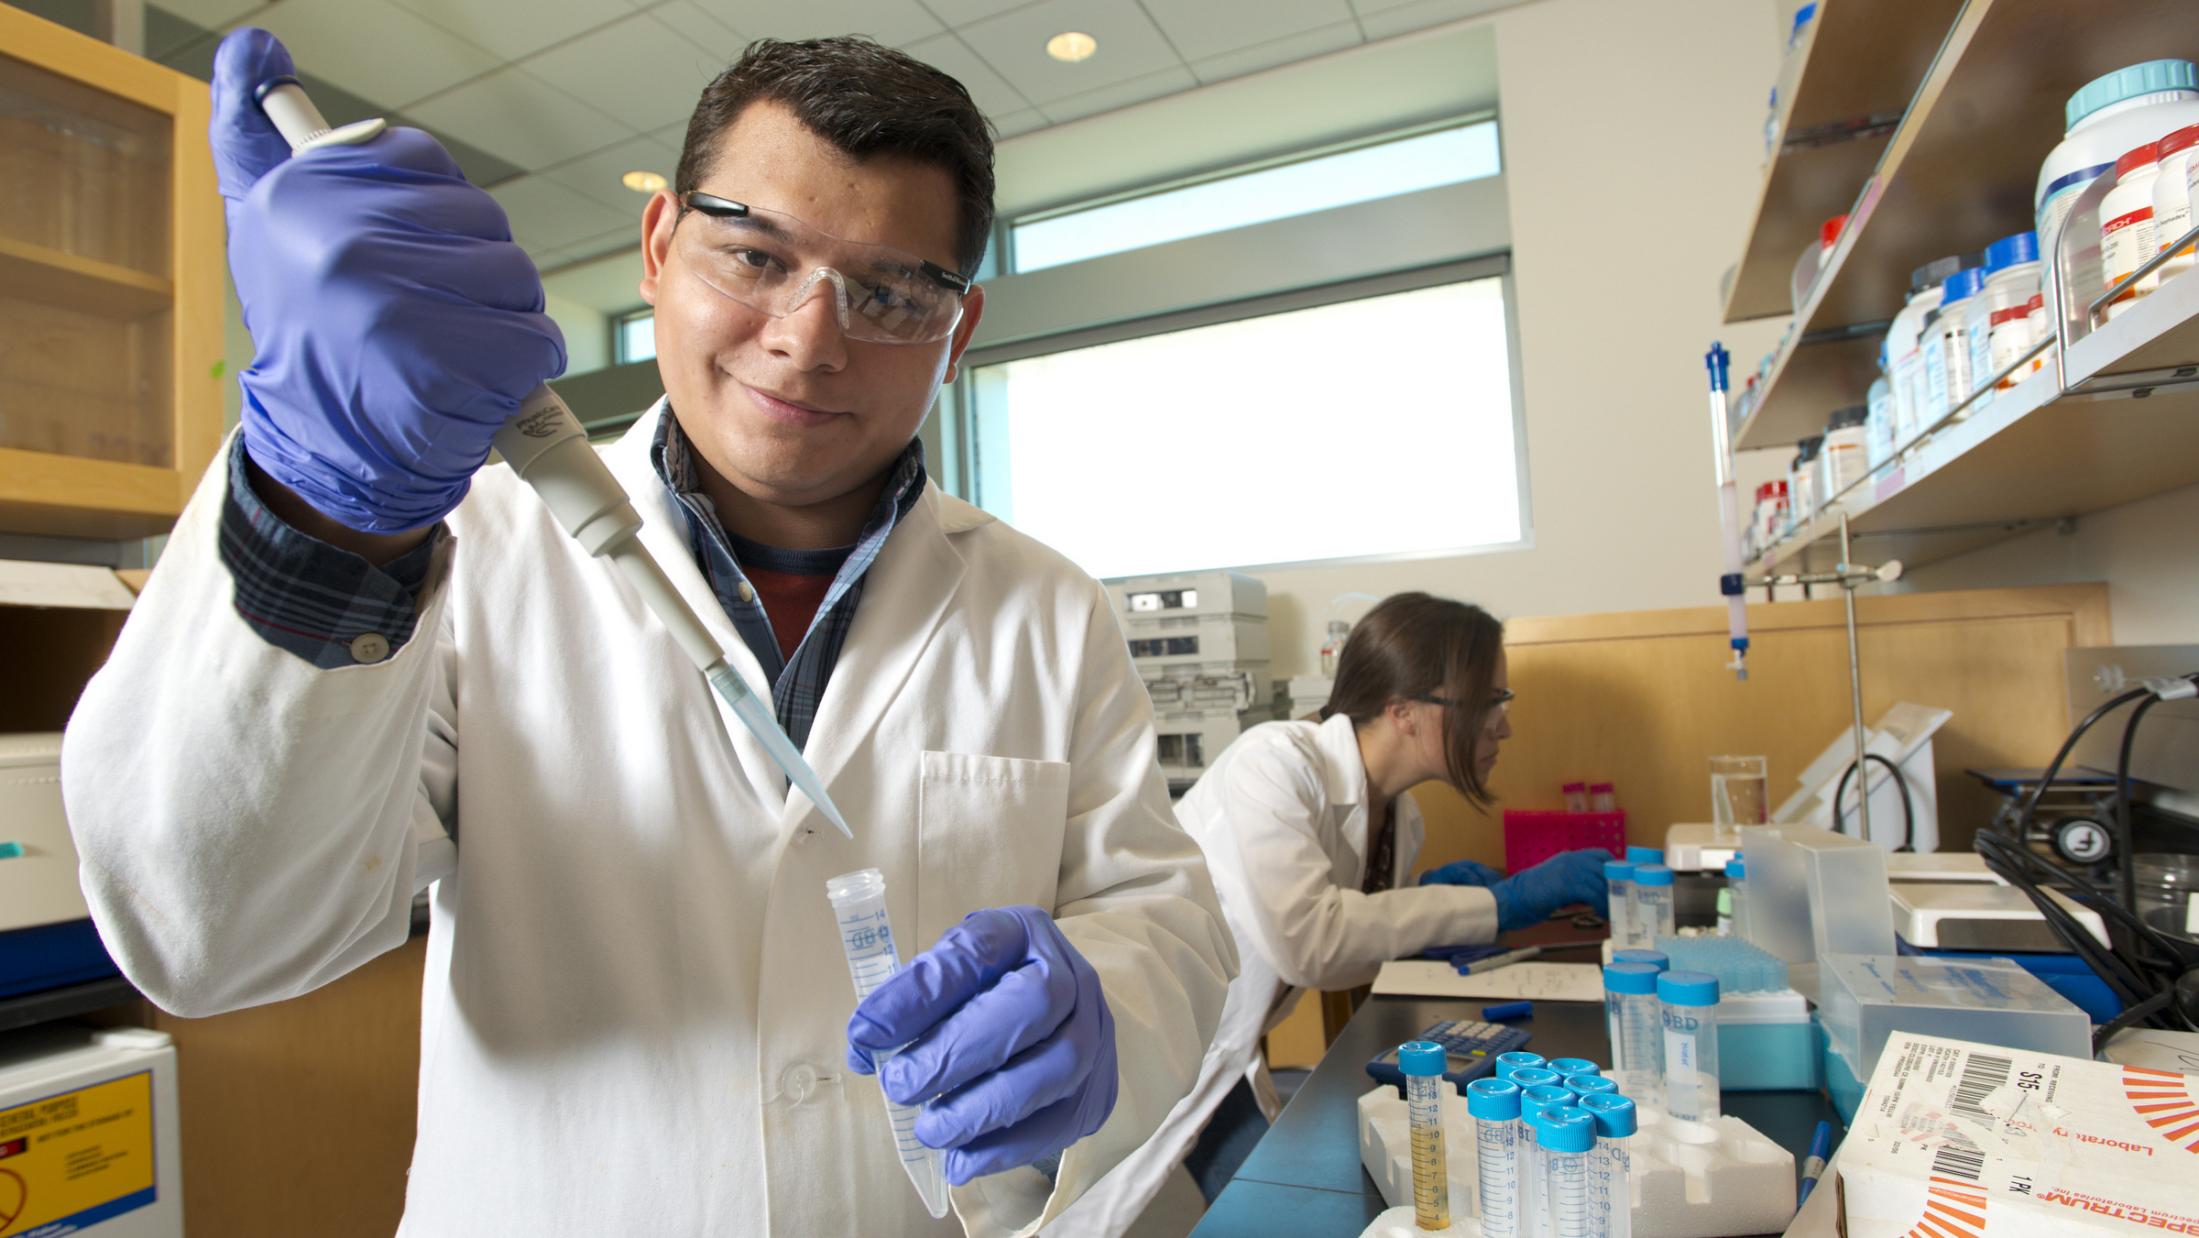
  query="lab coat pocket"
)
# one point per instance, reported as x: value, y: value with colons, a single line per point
x: 989, y: 833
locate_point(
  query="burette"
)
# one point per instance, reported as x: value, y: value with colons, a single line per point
x: 548, y: 448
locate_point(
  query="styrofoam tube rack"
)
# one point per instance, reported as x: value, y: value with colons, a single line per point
x: 1691, y: 1180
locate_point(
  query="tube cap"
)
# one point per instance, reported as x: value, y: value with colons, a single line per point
x: 1652, y: 875
x: 1737, y: 869
x: 2148, y: 78
x: 1688, y: 988
x: 1536, y: 1101
x: 1492, y: 1100
x: 1516, y: 1060
x: 1537, y: 1077
x: 1566, y: 1128
x: 1828, y: 233
x: 1655, y: 958
x: 1962, y: 283
x: 2016, y: 250
x: 1645, y: 855
x: 1420, y: 1057
x: 1617, y: 870
x: 1574, y: 1066
x: 1589, y: 1085
x: 1630, y: 977
x: 1615, y: 1118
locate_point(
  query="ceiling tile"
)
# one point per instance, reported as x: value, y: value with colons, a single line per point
x: 212, y: 14
x: 1121, y: 94
x: 165, y: 32
x: 636, y: 71
x: 687, y: 20
x: 1013, y: 123
x: 1200, y: 29
x: 1130, y: 46
x: 516, y: 30
x: 948, y: 54
x: 959, y: 13
x: 596, y: 174
x: 1383, y: 18
x: 1286, y: 50
x: 895, y: 23
x: 547, y: 215
x: 349, y: 42
x: 520, y: 118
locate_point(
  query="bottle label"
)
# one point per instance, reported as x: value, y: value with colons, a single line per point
x: 2126, y: 241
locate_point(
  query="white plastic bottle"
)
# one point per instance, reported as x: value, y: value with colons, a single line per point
x: 1878, y: 416
x: 2172, y: 197
x: 1847, y: 459
x: 1902, y: 353
x: 1802, y: 480
x: 1947, y: 347
x: 2126, y: 226
x: 2011, y: 279
x: 2109, y: 116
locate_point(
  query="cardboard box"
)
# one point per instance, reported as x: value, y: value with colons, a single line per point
x: 1956, y: 1140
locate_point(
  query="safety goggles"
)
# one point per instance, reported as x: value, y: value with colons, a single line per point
x: 1499, y: 705
x: 773, y: 262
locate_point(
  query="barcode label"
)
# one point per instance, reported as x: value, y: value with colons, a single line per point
x: 1980, y: 1075
x: 1959, y: 1158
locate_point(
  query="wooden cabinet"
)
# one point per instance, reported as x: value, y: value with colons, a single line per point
x: 110, y: 286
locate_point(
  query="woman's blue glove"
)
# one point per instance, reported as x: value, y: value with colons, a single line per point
x: 1560, y: 881
x: 1462, y: 873
x: 1008, y: 1037
x: 395, y: 325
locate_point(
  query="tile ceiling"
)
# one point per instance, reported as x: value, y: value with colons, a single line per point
x: 547, y: 102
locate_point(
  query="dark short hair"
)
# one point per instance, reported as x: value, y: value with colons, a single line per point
x: 867, y: 100
x: 1413, y: 645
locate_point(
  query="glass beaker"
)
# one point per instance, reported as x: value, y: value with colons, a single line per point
x: 1739, y: 791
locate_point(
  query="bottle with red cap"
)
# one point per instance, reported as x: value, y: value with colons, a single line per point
x: 2126, y: 225
x: 2172, y: 197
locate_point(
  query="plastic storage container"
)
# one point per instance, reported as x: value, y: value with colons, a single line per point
x: 1813, y: 892
x: 1878, y: 416
x: 1846, y: 452
x: 1925, y: 290
x: 2172, y: 197
x: 2011, y: 280
x: 2107, y: 117
x: 1863, y: 999
x: 2126, y: 226
x: 1802, y: 479
x: 1947, y: 346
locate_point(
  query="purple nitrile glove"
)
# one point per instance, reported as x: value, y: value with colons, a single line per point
x: 1008, y: 1038
x: 395, y: 325
x: 1462, y: 873
x: 1560, y: 881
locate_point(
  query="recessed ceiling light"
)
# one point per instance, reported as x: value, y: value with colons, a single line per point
x: 642, y: 182
x: 1070, y: 46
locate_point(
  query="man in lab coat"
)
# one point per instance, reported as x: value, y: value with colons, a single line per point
x: 342, y: 686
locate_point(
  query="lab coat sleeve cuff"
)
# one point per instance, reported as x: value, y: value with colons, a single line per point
x: 309, y: 598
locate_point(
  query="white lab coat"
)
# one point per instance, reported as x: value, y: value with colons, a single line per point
x: 635, y: 1001
x: 1282, y: 815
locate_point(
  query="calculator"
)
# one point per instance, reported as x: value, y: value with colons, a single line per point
x: 1470, y: 1049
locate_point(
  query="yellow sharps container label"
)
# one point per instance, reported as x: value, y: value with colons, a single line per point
x: 74, y: 1159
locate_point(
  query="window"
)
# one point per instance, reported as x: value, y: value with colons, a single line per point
x: 634, y: 336
x: 1380, y: 426
x: 1382, y: 170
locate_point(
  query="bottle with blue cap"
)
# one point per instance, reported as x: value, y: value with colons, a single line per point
x: 1645, y: 855
x: 1631, y: 1016
x: 1689, y: 1007
x: 1422, y: 1062
x: 1494, y: 1106
x: 1652, y: 903
x: 1534, y: 1207
x: 1737, y: 890
x: 2109, y: 116
x: 2003, y: 306
x: 1566, y: 1137
x: 1611, y: 1195
x: 1618, y: 882
x: 1947, y: 367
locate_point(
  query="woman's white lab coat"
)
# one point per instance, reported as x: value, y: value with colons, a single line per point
x: 635, y: 999
x: 1282, y: 815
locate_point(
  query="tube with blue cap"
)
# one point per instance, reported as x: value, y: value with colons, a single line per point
x: 1534, y: 1208
x: 1422, y: 1062
x: 1611, y: 1194
x: 1494, y: 1106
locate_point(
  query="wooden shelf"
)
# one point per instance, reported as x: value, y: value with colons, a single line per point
x: 69, y: 496
x: 51, y: 277
x: 2035, y: 455
x: 1860, y: 63
x: 1957, y: 175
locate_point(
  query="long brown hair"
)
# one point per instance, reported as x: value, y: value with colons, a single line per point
x: 1414, y: 645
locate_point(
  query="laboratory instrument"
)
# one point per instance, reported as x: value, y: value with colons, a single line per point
x: 1652, y: 903
x: 1471, y: 1049
x: 1731, y: 583
x: 47, y: 939
x: 1494, y: 1106
x: 1565, y: 1139
x: 1688, y: 1004
x: 1899, y: 812
x: 1618, y: 881
x: 1611, y: 1194
x: 1511, y: 1063
x: 1423, y: 1064
x: 548, y: 448
x: 1199, y: 641
x: 1739, y: 792
x: 1636, y: 1030
x: 866, y: 936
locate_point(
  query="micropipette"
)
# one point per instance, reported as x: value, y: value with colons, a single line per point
x: 859, y: 908
x: 547, y: 446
